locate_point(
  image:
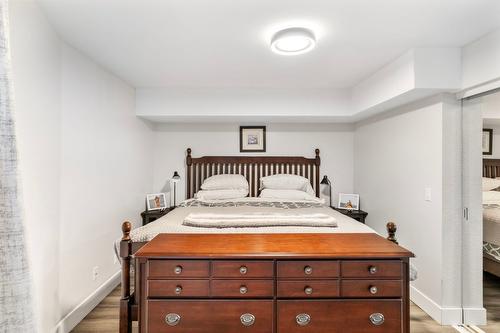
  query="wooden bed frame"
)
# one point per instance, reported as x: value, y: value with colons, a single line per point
x: 197, y: 170
x: 491, y: 169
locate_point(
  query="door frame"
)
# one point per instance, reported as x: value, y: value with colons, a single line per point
x: 474, y: 312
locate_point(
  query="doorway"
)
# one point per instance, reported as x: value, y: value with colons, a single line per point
x: 481, y: 201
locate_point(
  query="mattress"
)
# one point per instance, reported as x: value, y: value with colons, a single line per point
x: 173, y: 221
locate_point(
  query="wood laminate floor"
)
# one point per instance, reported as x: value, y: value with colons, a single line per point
x: 104, y: 318
x: 492, y: 302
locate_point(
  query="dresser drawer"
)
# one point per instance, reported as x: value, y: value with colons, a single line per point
x: 178, y: 288
x: 242, y: 269
x: 372, y: 288
x: 242, y: 288
x: 211, y: 316
x: 308, y: 269
x: 178, y: 268
x: 372, y: 269
x: 308, y: 289
x: 377, y: 316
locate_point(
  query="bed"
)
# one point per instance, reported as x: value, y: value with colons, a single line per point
x: 491, y: 220
x: 253, y: 168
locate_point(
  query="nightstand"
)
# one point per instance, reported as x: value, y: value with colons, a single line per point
x: 358, y: 215
x: 151, y: 215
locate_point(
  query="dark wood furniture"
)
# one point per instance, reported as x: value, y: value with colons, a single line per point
x: 358, y: 214
x: 216, y: 283
x: 149, y: 216
x: 491, y: 169
x: 252, y: 167
x: 198, y: 169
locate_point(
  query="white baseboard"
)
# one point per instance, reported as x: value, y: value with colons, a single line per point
x: 443, y: 315
x: 475, y: 316
x: 81, y: 310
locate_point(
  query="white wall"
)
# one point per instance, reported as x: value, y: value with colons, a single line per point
x: 490, y: 110
x: 106, y: 170
x: 334, y: 141
x: 85, y: 164
x: 496, y: 139
x: 36, y: 57
x: 396, y: 157
x: 239, y: 104
x: 481, y: 60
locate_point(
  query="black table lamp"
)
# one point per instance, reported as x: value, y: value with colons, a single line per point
x: 326, y: 181
x: 175, y: 180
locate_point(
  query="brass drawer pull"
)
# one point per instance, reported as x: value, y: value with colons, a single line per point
x: 172, y: 319
x: 243, y: 270
x: 303, y: 319
x: 243, y: 290
x: 308, y: 290
x: 247, y: 319
x: 373, y: 290
x: 377, y: 319
x: 178, y: 270
x: 373, y: 269
x: 178, y: 290
x: 308, y: 270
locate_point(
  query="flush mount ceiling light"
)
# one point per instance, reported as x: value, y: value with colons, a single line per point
x: 293, y: 41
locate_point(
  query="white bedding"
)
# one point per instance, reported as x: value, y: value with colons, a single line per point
x: 259, y: 219
x: 491, y: 224
x: 173, y: 221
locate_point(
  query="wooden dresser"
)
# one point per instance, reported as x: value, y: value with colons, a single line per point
x: 282, y: 283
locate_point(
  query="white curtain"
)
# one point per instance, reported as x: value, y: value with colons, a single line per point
x: 16, y: 313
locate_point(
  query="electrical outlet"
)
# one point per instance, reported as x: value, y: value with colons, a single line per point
x: 95, y: 272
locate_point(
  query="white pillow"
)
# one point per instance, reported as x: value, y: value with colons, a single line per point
x: 286, y: 182
x: 225, y: 182
x: 491, y: 198
x: 221, y: 194
x: 293, y: 195
x: 490, y: 183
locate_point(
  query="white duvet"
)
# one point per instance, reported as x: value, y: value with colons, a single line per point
x: 173, y: 221
x: 491, y: 217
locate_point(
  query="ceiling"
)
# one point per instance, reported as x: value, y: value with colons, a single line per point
x: 224, y: 43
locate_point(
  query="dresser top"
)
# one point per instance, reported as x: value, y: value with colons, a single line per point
x: 292, y: 246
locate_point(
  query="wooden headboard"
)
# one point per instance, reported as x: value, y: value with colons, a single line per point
x: 252, y: 167
x: 491, y: 168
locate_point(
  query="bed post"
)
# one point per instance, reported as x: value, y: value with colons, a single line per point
x: 317, y: 163
x: 391, y: 230
x: 189, y: 162
x: 125, y: 254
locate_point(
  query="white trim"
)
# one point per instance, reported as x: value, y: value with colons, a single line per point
x: 475, y: 316
x: 81, y: 310
x: 480, y: 89
x: 476, y: 329
x: 462, y: 329
x: 468, y: 329
x: 443, y: 315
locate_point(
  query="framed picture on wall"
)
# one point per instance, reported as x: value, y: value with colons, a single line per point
x: 487, y: 141
x: 252, y: 139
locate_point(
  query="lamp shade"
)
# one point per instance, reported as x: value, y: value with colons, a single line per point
x: 325, y: 180
x: 176, y: 176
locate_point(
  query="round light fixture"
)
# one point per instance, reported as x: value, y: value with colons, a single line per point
x: 293, y: 41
